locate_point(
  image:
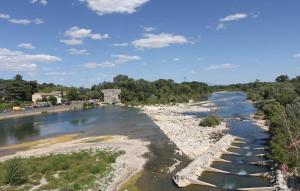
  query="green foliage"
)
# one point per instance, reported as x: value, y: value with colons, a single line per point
x: 76, y: 171
x: 210, y: 121
x: 14, y: 172
x: 282, y: 78
x: 135, y: 92
x: 53, y: 100
x: 72, y: 94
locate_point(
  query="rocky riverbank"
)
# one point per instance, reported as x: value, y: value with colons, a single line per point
x: 184, y: 130
x: 125, y: 166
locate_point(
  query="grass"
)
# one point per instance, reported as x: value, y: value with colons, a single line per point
x: 210, y: 121
x: 75, y: 171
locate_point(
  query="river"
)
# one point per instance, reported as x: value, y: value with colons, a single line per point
x: 112, y: 120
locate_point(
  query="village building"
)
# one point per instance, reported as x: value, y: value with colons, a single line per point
x: 112, y: 96
x: 45, y: 96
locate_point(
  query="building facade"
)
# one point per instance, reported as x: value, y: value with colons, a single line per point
x: 112, y: 96
x: 45, y: 96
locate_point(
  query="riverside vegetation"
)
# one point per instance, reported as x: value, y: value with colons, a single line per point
x: 279, y: 103
x: 16, y: 91
x: 76, y: 171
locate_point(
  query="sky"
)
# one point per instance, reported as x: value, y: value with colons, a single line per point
x: 85, y: 42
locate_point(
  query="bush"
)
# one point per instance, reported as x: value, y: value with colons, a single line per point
x: 210, y: 121
x: 53, y: 100
x: 15, y: 172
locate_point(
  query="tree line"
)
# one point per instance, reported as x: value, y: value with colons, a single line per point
x: 133, y: 91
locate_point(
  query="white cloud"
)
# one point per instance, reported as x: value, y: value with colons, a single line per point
x: 102, y: 7
x: 149, y: 29
x: 234, y: 17
x: 38, y: 21
x: 296, y: 55
x: 222, y: 66
x: 76, y: 35
x: 18, y: 61
x: 93, y: 65
x: 75, y: 51
x: 72, y: 41
x: 26, y: 21
x: 26, y: 45
x: 43, y: 2
x: 4, y: 16
x: 159, y: 40
x: 20, y: 21
x: 230, y: 18
x: 176, y: 59
x: 121, y: 44
x: 116, y: 60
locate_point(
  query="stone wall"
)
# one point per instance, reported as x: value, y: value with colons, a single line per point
x: 111, y: 96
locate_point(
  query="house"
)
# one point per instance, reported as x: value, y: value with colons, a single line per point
x: 45, y: 96
x: 111, y: 96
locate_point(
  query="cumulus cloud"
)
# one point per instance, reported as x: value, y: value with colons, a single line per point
x: 42, y: 2
x: 75, y: 51
x: 222, y: 66
x: 230, y: 18
x: 18, y: 61
x: 4, y: 16
x: 116, y: 60
x: 102, y: 7
x: 121, y: 44
x: 176, y: 59
x: 26, y: 45
x: 76, y: 35
x: 159, y: 40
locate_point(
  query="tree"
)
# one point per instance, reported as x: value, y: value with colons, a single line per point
x: 282, y: 78
x: 72, y: 94
x: 53, y: 100
x: 18, y: 77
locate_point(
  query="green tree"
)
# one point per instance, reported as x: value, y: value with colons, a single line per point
x: 53, y: 100
x: 282, y: 78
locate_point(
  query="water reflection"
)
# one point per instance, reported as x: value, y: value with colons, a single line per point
x: 98, y: 121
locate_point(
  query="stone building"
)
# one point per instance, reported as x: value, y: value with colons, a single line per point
x: 44, y: 96
x: 112, y: 96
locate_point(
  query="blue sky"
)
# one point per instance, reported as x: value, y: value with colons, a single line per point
x: 84, y: 42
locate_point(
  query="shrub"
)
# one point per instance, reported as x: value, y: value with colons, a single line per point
x: 210, y: 121
x: 15, y: 172
x: 53, y: 100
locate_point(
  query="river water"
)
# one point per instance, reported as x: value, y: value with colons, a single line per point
x: 130, y: 122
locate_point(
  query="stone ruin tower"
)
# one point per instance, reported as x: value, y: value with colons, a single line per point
x: 112, y: 96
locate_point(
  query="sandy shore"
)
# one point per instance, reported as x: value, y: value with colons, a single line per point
x: 126, y: 165
x: 184, y: 130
